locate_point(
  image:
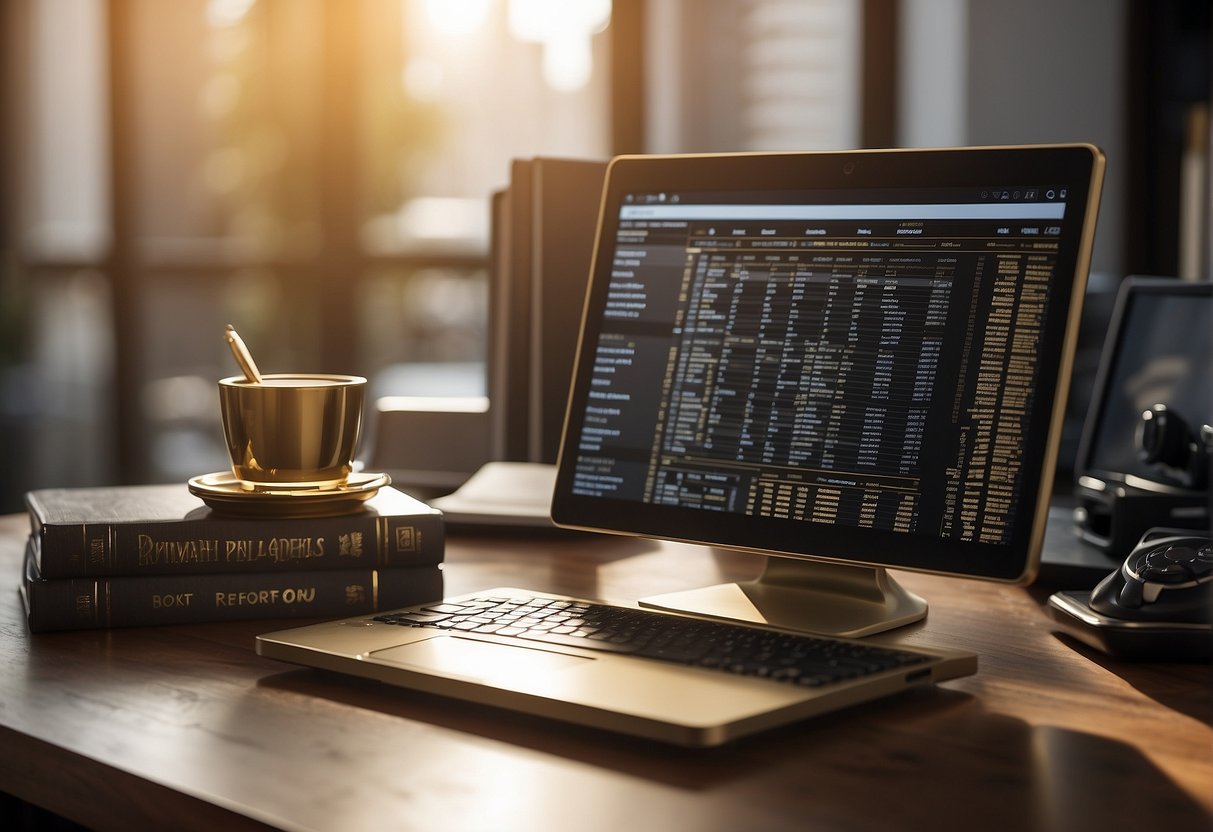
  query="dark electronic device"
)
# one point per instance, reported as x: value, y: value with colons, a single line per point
x: 850, y: 362
x: 1158, y: 605
x: 1145, y: 452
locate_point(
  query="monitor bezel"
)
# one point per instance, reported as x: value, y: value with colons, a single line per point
x: 1078, y: 168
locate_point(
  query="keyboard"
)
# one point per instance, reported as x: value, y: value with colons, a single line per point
x: 805, y: 660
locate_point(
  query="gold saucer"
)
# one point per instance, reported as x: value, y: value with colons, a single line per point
x: 227, y: 495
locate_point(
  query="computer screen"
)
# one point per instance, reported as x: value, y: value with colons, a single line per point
x: 855, y: 358
x: 1159, y: 352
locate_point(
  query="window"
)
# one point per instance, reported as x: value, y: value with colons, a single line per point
x: 754, y: 75
x: 315, y: 172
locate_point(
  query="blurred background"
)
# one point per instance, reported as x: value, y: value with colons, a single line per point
x: 318, y: 172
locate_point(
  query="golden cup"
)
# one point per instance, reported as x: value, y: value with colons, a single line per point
x: 292, y: 430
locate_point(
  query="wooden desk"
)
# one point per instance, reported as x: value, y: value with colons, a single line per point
x: 186, y: 728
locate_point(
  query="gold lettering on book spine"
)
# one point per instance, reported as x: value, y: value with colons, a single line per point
x: 172, y: 599
x: 152, y: 552
x: 98, y: 547
x: 266, y: 597
x: 408, y: 539
x: 274, y: 549
x: 86, y: 611
x: 97, y: 552
x: 349, y: 545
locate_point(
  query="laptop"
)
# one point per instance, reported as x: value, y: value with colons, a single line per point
x: 842, y: 363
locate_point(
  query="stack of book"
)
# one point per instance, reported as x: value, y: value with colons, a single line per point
x: 149, y: 555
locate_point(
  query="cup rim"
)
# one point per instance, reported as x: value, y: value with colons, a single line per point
x: 241, y: 381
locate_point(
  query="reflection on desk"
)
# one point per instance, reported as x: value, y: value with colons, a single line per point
x: 187, y: 727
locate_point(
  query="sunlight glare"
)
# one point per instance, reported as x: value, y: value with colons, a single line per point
x: 564, y: 28
x: 457, y: 17
x: 568, y: 62
x: 539, y: 21
x: 424, y: 79
x: 221, y: 13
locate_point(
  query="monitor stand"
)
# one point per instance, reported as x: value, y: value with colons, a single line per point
x: 813, y: 596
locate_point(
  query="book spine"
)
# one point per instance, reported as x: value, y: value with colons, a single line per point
x: 84, y: 603
x: 187, y: 547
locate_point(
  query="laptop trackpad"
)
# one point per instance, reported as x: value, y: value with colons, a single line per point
x: 493, y: 663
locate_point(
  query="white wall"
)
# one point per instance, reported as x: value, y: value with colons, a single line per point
x: 1054, y: 71
x: 1032, y: 71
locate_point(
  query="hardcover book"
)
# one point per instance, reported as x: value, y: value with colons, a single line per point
x: 153, y: 600
x: 166, y: 530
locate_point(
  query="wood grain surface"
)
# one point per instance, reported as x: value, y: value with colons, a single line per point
x: 186, y: 728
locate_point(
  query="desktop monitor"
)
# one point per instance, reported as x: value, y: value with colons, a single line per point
x: 1145, y: 453
x: 845, y: 362
x: 1159, y: 352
